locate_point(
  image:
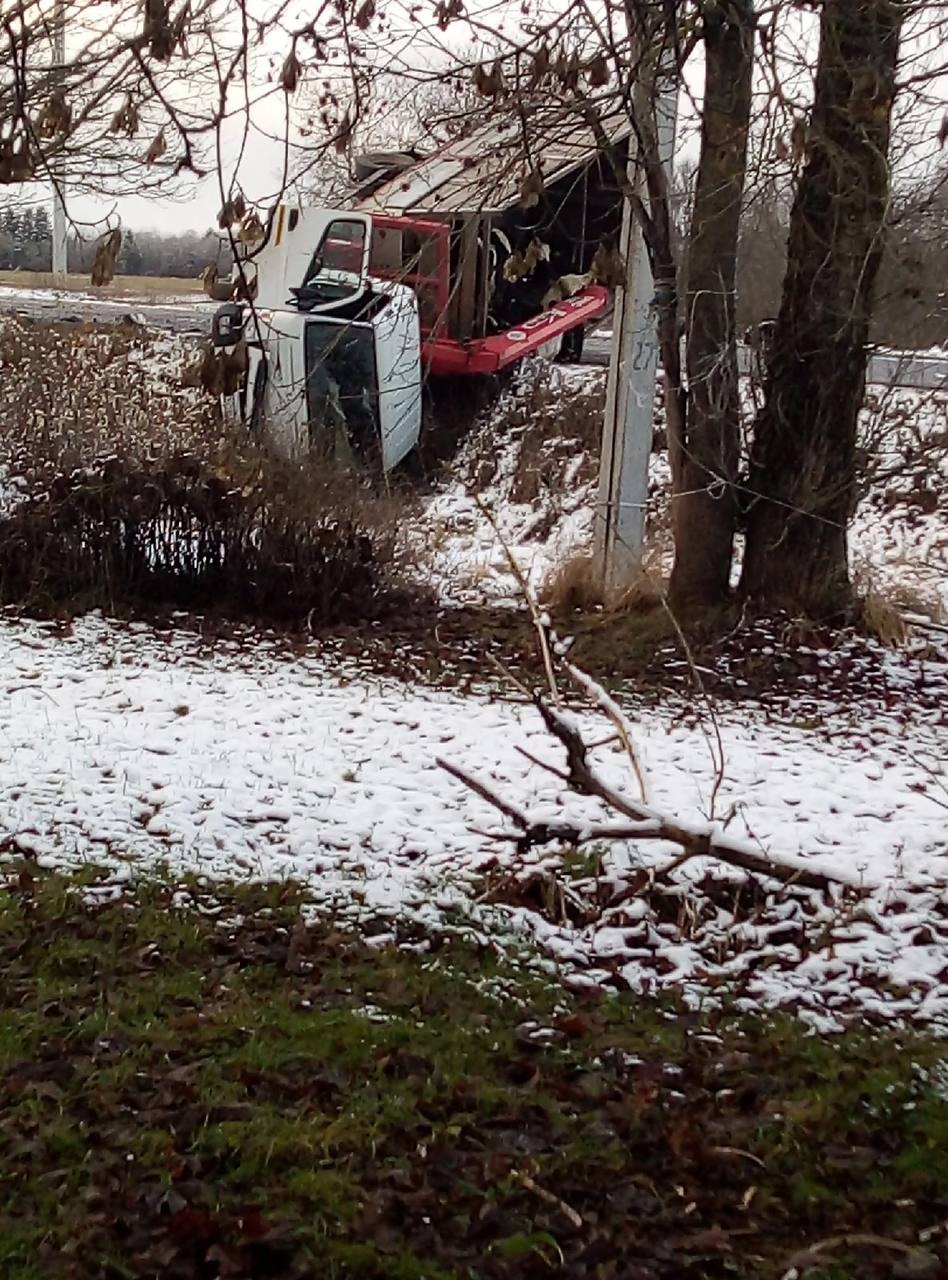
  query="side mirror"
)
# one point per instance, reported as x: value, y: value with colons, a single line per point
x: 227, y: 325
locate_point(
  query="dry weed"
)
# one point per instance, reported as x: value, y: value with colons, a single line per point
x: 575, y: 585
x: 130, y: 492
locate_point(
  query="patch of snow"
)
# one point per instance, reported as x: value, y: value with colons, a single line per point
x: 135, y: 749
x: 898, y: 539
x: 520, y: 488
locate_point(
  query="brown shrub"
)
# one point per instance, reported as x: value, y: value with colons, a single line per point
x: 186, y: 535
x: 133, y: 494
x: 575, y: 587
x: 70, y: 394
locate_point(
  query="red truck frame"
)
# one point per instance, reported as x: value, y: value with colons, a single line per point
x: 418, y: 253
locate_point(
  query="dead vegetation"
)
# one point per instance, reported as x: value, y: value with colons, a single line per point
x: 72, y: 393
x: 124, y: 490
x: 551, y: 427
x: 122, y: 286
x: 180, y: 533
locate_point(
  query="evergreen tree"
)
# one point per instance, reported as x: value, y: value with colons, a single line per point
x: 130, y: 259
x: 42, y: 225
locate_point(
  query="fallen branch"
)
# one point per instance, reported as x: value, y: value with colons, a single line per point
x: 695, y: 841
x: 644, y: 822
x: 614, y: 713
x: 855, y: 1240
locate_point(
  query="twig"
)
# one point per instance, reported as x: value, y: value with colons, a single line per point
x: 543, y: 764
x: 540, y: 621
x: 548, y: 1197
x: 645, y: 824
x: 849, y: 1241
x: 508, y: 810
x: 618, y: 718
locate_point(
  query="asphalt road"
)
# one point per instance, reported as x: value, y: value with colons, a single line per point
x: 899, y: 369
x: 885, y: 369
x: 183, y: 317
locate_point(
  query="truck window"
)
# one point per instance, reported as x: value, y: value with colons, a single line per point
x: 341, y: 249
x: 341, y: 384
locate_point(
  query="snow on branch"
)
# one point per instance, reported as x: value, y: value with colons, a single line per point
x: 642, y: 820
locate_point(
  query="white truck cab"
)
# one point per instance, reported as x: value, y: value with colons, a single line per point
x: 332, y: 355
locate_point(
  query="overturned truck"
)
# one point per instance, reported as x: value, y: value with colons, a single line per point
x: 453, y: 265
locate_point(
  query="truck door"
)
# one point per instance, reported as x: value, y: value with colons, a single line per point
x: 300, y: 241
x: 328, y: 258
x: 398, y: 369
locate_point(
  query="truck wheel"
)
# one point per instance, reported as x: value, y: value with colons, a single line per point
x: 571, y: 348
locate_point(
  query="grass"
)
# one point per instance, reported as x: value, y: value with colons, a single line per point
x: 197, y: 1087
x: 121, y: 286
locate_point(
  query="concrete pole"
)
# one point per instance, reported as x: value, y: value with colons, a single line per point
x: 630, y: 389
x: 58, y: 167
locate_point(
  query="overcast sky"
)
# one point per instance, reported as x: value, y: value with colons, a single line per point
x: 195, y: 207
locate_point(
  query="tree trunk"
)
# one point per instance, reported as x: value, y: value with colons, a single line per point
x: 802, y: 467
x: 705, y: 510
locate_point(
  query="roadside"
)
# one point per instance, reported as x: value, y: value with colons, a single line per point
x: 121, y: 287
x: 206, y: 1083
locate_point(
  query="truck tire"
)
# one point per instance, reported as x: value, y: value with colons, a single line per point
x: 571, y: 348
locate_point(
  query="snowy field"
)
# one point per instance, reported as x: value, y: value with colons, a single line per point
x: 12, y: 296
x: 132, y: 748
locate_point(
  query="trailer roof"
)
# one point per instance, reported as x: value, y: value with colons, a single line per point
x: 483, y: 172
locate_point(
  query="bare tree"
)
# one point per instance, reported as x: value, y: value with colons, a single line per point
x: 803, y: 462
x: 705, y: 509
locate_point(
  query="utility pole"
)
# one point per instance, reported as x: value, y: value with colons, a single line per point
x: 58, y: 167
x: 630, y: 389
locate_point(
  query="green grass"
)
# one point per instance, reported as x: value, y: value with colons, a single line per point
x: 197, y: 1089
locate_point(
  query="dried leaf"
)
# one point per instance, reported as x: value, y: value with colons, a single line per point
x: 598, y: 71
x: 215, y: 288
x: 489, y: 84
x: 126, y: 119
x: 106, y: 255
x: 16, y: 161
x: 251, y: 230
x: 531, y: 189
x: 290, y: 72
x: 364, y: 14
x: 446, y: 11
x: 56, y: 116
x: 568, y: 70
x: 943, y: 130
x: 540, y: 67
x: 608, y: 267
x: 158, y: 31
x: 344, y: 134
x: 157, y: 148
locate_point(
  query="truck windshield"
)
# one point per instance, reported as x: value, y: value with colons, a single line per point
x: 341, y: 385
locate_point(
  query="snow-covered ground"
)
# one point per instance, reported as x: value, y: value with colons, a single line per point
x: 12, y: 295
x: 510, y: 495
x: 526, y: 490
x: 135, y: 748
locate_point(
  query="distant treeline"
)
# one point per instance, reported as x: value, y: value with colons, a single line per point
x: 26, y: 244
x: 911, y: 308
